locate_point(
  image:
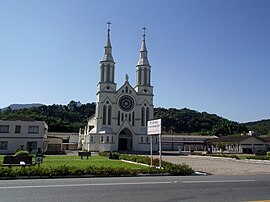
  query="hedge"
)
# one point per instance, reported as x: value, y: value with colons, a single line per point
x: 63, y: 170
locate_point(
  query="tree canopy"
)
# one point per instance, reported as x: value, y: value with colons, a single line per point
x: 74, y: 115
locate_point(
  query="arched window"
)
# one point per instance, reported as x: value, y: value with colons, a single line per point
x: 133, y: 118
x: 147, y: 115
x: 126, y: 89
x: 145, y: 76
x: 107, y: 139
x: 112, y: 138
x: 108, y: 79
x: 140, y: 76
x: 143, y: 118
x: 104, y: 114
x: 102, y: 73
x: 101, y: 139
x: 118, y: 118
x: 110, y: 115
x: 129, y: 117
x: 122, y: 117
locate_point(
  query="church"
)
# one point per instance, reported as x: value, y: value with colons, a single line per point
x: 120, y: 119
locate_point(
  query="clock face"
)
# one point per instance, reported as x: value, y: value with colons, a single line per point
x: 126, y: 103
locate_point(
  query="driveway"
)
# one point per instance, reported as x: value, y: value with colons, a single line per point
x: 221, y: 166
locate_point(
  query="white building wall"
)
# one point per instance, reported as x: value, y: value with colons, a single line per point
x: 16, y: 139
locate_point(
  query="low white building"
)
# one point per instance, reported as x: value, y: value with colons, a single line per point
x: 22, y: 134
x: 69, y: 141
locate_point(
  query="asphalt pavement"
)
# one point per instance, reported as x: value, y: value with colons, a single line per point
x: 156, y: 189
x: 221, y: 166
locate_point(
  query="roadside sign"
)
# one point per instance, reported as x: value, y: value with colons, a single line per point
x: 154, y: 127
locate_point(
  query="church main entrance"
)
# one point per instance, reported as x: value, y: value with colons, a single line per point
x: 125, y: 140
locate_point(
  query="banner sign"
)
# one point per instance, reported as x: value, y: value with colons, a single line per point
x: 154, y: 127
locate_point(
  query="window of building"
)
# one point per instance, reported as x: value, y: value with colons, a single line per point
x: 17, y: 129
x: 102, y: 73
x: 107, y: 139
x: 145, y: 77
x: 126, y: 89
x: 91, y: 138
x: 122, y: 117
x: 101, y: 139
x: 118, y: 118
x: 147, y: 115
x: 104, y: 114
x: 108, y: 73
x: 141, y: 139
x: 133, y: 118
x: 110, y: 115
x: 3, y: 145
x: 129, y: 117
x: 31, y: 146
x: 143, y: 118
x: 112, y: 138
x: 147, y: 139
x: 4, y: 128
x: 33, y: 129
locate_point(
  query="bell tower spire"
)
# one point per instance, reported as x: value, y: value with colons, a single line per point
x: 107, y: 57
x: 107, y: 63
x: 143, y: 68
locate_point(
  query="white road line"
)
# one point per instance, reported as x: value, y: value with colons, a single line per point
x: 81, y: 185
x: 123, y: 183
x: 217, y: 181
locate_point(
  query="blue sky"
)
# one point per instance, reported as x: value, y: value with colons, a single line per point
x: 206, y: 55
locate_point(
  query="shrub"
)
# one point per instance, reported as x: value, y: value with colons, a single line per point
x: 22, y: 153
x: 114, y: 155
x: 6, y: 172
x: 268, y: 153
x: 104, y: 154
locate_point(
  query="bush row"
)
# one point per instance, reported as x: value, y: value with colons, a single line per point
x: 259, y: 157
x: 219, y: 155
x: 75, y: 171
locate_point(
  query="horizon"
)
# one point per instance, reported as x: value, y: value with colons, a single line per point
x: 210, y: 56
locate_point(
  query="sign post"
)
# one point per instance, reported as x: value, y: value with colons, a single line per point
x: 154, y: 128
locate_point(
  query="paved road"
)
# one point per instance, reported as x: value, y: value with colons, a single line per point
x: 157, y: 189
x: 221, y: 166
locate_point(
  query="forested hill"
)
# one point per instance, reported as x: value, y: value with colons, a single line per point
x: 261, y: 127
x: 191, y: 121
x: 60, y: 118
x: 70, y: 117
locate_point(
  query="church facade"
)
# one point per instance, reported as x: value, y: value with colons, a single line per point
x: 120, y: 120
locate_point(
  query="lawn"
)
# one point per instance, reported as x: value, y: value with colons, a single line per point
x: 98, y: 161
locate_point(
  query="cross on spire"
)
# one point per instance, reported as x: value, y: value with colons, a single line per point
x: 144, y: 28
x: 109, y: 25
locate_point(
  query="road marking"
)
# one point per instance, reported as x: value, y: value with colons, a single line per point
x: 81, y: 185
x: 123, y: 183
x: 217, y: 181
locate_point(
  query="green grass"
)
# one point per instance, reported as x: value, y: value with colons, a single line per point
x: 98, y: 161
